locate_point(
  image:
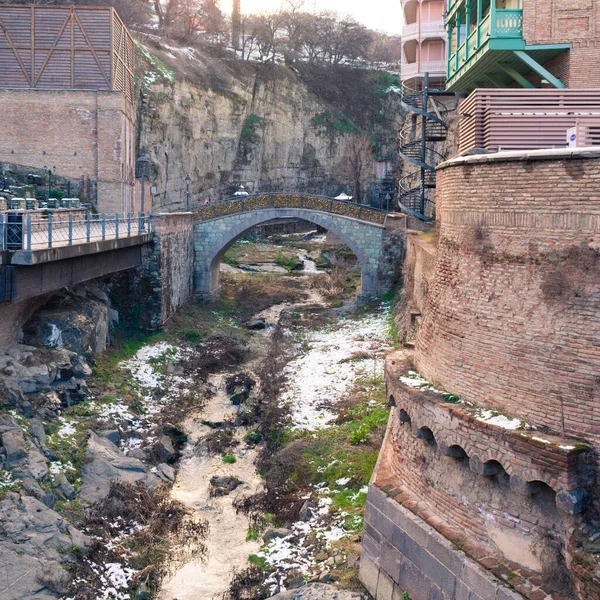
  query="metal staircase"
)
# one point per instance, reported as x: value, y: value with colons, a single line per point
x: 416, y: 190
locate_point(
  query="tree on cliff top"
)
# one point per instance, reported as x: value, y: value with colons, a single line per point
x: 357, y: 164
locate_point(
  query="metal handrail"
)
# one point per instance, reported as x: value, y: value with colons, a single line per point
x: 251, y: 202
x: 20, y: 230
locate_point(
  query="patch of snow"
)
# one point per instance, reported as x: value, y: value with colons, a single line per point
x: 323, y: 375
x: 67, y: 428
x: 493, y: 418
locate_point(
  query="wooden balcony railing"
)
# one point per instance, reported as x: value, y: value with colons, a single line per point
x: 500, y: 24
x: 526, y: 119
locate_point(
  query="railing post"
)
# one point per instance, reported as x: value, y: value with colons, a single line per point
x: 50, y: 230
x: 360, y: 211
x: 29, y: 232
x: 140, y: 222
x: 128, y: 224
x: 149, y: 219
x: 103, y: 219
x: 117, y: 226
x: 331, y: 206
x: 2, y: 233
x: 70, y: 229
x: 88, y: 226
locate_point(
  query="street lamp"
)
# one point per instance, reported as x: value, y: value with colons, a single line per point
x: 188, y: 180
x: 142, y: 163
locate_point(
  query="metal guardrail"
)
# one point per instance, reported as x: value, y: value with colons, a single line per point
x: 241, y: 204
x: 26, y: 231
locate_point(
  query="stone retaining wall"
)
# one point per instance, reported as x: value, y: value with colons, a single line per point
x: 401, y: 553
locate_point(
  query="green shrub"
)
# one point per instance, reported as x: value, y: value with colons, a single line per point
x: 258, y: 561
x: 249, y: 130
x: 253, y: 437
x: 229, y: 459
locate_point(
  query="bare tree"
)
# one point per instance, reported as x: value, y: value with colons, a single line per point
x: 357, y: 165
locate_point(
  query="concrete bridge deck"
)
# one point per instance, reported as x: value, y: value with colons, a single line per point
x: 40, y: 255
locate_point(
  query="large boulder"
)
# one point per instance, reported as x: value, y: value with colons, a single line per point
x: 77, y: 322
x: 106, y: 464
x: 319, y: 591
x: 33, y: 539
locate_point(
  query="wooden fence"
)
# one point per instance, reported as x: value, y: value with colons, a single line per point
x: 527, y: 119
x: 62, y: 47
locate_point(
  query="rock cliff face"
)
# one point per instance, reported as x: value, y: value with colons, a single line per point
x: 267, y: 127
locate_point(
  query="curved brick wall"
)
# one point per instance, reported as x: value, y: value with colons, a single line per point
x: 512, y: 319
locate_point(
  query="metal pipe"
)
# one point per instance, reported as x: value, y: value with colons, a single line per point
x: 29, y: 232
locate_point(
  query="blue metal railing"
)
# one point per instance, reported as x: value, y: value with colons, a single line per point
x: 26, y: 231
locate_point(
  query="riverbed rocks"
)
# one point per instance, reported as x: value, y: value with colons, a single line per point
x: 318, y: 591
x: 223, y: 485
x: 33, y: 541
x: 106, y: 464
x: 256, y: 324
x: 274, y: 533
x: 238, y: 387
x: 37, y: 380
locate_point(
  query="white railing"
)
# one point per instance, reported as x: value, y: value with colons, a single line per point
x: 26, y: 231
x: 427, y: 29
x: 436, y: 68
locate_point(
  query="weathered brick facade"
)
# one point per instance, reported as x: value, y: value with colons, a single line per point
x: 561, y: 22
x: 511, y: 325
x: 510, y: 313
x: 82, y: 135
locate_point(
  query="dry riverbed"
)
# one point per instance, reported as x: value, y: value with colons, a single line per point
x: 263, y: 414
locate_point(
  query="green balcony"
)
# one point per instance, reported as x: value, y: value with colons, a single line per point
x: 486, y: 47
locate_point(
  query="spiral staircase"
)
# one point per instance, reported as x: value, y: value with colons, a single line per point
x: 416, y: 189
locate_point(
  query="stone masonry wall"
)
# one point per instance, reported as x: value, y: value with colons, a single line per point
x: 82, y: 135
x: 175, y: 245
x: 366, y: 240
x: 419, y: 265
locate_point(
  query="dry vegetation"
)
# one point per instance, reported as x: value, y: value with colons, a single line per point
x: 146, y: 523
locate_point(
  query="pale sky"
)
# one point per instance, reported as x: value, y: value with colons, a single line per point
x: 384, y: 15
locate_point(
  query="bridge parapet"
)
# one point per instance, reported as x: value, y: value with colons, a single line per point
x: 241, y: 204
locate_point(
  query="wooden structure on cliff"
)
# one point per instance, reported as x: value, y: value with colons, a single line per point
x: 62, y: 47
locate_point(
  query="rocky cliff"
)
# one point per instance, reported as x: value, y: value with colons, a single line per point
x: 267, y: 127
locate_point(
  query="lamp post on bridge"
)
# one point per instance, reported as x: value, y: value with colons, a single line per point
x: 188, y: 180
x: 142, y: 163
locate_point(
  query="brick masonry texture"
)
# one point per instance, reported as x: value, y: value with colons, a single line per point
x: 511, y: 315
x: 82, y: 135
x: 567, y: 21
x: 510, y: 322
x: 379, y: 249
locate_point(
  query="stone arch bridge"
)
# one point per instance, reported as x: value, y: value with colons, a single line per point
x: 375, y: 237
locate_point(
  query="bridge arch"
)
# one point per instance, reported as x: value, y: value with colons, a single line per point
x: 220, y: 226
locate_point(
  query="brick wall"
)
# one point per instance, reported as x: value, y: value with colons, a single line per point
x: 567, y: 21
x: 511, y: 320
x: 79, y: 135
